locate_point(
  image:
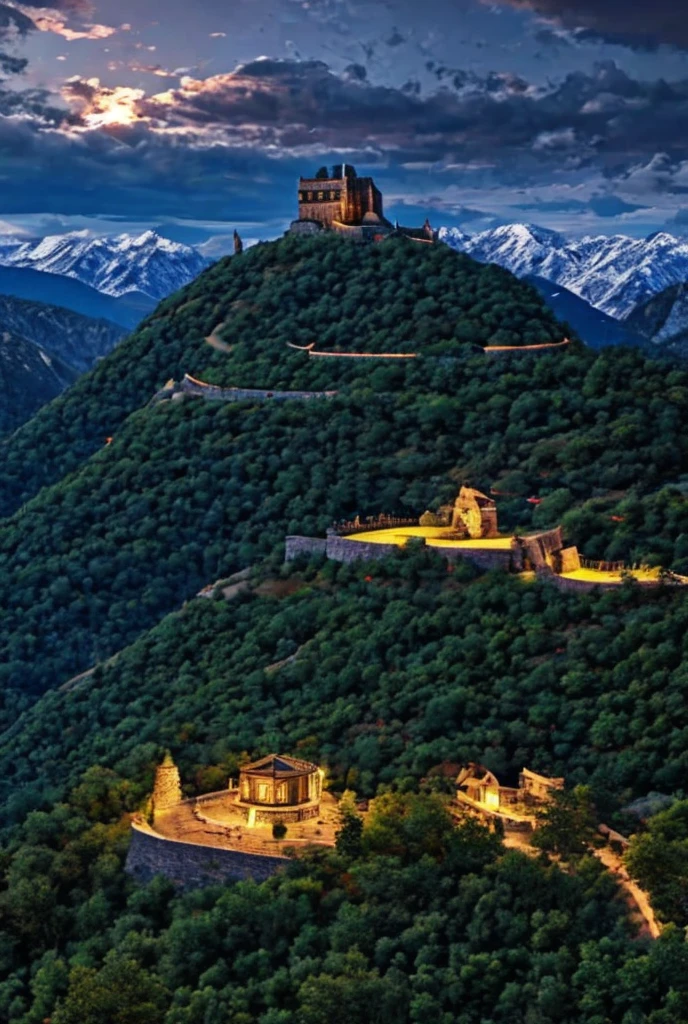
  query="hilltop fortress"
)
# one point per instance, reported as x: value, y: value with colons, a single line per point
x: 340, y: 201
x: 468, y: 531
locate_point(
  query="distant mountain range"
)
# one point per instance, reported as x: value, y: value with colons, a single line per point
x: 77, y: 341
x: 43, y: 349
x: 66, y: 300
x: 663, y: 320
x: 595, y: 328
x: 37, y: 286
x: 614, y: 274
x: 29, y: 377
x: 145, y: 264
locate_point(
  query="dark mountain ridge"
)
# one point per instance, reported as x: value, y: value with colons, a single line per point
x: 591, y: 325
x: 77, y: 340
x: 663, y: 320
x: 29, y: 377
x: 53, y: 289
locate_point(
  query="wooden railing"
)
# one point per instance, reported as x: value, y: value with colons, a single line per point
x: 363, y: 524
x: 589, y: 563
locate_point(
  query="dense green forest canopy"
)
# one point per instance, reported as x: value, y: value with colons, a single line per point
x: 422, y: 922
x: 398, y: 297
x: 382, y: 673
x: 390, y: 675
x: 191, y: 491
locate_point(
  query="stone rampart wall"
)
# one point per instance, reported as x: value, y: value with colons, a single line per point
x: 485, y: 558
x: 343, y: 549
x: 296, y: 546
x: 580, y: 586
x: 199, y: 389
x: 191, y: 865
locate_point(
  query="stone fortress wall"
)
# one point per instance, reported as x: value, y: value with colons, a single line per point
x: 346, y: 549
x: 542, y: 553
x: 190, y: 864
x: 211, y: 392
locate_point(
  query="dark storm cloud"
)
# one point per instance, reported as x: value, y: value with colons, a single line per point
x: 12, y: 25
x: 238, y: 141
x: 633, y: 22
x: 607, y: 118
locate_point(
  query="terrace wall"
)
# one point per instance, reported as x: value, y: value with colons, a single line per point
x: 190, y: 865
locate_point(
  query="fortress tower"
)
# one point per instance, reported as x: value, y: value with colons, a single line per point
x: 339, y: 198
x: 167, y: 791
x: 340, y: 201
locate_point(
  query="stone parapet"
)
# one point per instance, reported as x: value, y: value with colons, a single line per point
x: 190, y: 865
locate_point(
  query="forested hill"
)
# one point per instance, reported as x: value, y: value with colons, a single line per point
x: 398, y: 297
x: 387, y: 674
x: 190, y: 491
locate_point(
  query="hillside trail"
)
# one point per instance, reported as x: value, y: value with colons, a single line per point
x: 636, y: 898
x: 216, y: 342
x: 614, y: 863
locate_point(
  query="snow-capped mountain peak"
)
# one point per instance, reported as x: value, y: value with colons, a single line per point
x: 145, y: 263
x: 613, y: 273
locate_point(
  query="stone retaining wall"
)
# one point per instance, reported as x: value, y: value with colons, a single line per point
x: 191, y: 865
x: 296, y: 546
x: 582, y: 586
x: 343, y: 549
x: 199, y: 389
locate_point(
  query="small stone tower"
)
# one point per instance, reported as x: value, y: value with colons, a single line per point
x: 238, y: 243
x: 167, y: 792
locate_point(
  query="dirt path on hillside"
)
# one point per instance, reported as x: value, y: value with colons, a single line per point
x: 216, y: 342
x: 636, y: 896
x: 637, y: 899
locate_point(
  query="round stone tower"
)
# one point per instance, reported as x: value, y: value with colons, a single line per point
x: 167, y: 792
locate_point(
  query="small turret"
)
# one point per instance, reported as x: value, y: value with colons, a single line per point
x: 167, y: 791
x: 238, y: 244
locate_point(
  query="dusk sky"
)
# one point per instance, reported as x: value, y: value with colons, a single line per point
x: 199, y: 116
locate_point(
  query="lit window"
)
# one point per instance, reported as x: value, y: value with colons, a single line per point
x: 321, y: 196
x: 310, y: 196
x: 300, y: 197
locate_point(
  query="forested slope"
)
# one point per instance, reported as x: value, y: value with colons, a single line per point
x: 398, y: 666
x: 392, y: 298
x: 401, y: 670
x: 388, y: 674
x: 189, y: 491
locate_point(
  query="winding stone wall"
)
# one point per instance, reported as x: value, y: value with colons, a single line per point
x: 191, y: 865
x: 211, y: 392
x: 341, y: 549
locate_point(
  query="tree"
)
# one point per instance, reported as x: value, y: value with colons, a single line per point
x: 350, y: 833
x: 279, y: 830
x: 658, y: 860
x: 121, y: 992
x: 567, y: 824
